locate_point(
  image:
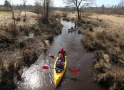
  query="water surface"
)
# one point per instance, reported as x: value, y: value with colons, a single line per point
x: 35, y: 78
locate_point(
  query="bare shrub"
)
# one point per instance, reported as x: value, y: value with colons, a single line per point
x: 105, y: 36
x: 6, y: 40
x: 29, y: 55
x: 94, y: 45
x: 58, y: 16
x: 106, y: 79
x: 64, y: 15
x: 79, y: 32
x: 100, y: 66
x: 91, y: 29
x: 50, y: 38
x: 12, y: 29
x: 66, y: 19
x: 9, y: 69
x: 22, y: 44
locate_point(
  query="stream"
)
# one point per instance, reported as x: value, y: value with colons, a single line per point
x: 35, y: 78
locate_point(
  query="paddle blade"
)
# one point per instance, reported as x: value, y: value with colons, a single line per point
x: 45, y: 67
x: 51, y: 55
x: 74, y: 70
x: 74, y: 79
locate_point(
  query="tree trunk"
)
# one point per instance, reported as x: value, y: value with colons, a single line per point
x: 13, y: 17
x: 47, y: 11
x: 44, y: 10
x: 25, y: 12
x: 78, y: 12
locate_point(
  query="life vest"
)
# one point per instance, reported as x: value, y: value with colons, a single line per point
x: 59, y: 65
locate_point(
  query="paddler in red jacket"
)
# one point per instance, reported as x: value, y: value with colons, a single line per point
x: 62, y: 51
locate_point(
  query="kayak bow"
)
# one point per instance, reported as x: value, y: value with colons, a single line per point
x: 59, y: 75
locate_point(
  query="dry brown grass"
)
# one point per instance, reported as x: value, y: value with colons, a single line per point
x: 114, y: 22
x: 93, y: 42
x: 112, y: 79
x: 17, y: 51
x: 102, y: 40
x: 29, y: 55
x: 107, y: 38
x: 10, y: 63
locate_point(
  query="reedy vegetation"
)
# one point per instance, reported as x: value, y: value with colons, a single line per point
x: 108, y: 48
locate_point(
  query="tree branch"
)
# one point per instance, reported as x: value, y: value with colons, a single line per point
x: 79, y: 3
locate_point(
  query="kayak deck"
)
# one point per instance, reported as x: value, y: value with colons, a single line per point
x: 59, y: 75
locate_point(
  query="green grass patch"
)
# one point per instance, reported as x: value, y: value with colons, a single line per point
x: 2, y: 12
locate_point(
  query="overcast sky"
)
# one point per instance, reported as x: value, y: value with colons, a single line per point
x: 59, y: 3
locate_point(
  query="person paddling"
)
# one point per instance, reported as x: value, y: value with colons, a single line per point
x: 61, y: 57
x: 62, y: 51
x: 59, y: 65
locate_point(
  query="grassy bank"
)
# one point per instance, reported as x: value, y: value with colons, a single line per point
x: 106, y: 41
x: 2, y: 12
x: 21, y: 46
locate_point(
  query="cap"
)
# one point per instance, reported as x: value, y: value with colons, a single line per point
x: 59, y: 61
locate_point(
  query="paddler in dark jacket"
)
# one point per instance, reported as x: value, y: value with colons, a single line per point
x: 61, y: 57
x: 59, y: 64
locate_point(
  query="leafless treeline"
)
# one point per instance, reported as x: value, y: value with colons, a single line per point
x: 41, y: 7
x: 113, y: 9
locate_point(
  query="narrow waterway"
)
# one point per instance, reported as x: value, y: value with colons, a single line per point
x: 35, y: 78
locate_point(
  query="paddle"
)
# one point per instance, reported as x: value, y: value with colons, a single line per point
x: 74, y: 79
x: 51, y: 55
x: 72, y: 70
x: 45, y: 67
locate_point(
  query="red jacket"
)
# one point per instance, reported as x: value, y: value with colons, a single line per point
x: 62, y: 52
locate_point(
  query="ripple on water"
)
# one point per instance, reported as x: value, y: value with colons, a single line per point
x: 33, y: 77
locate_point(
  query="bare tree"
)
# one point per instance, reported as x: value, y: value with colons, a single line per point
x: 46, y: 5
x: 38, y: 8
x: 16, y: 12
x: 79, y: 4
x: 121, y: 4
x: 43, y: 6
x: 24, y: 4
x: 7, y: 5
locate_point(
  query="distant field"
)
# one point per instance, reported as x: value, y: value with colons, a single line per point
x: 2, y: 12
x: 112, y: 19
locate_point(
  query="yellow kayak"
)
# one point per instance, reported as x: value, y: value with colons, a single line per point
x: 58, y: 75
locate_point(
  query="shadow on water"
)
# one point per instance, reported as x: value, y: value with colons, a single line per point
x: 35, y: 78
